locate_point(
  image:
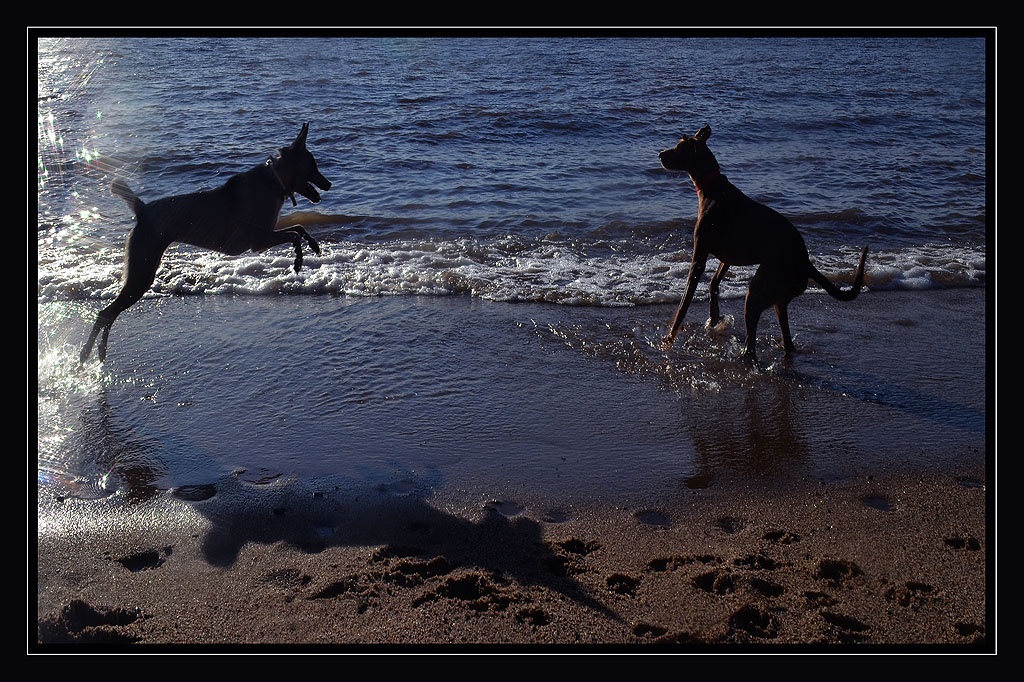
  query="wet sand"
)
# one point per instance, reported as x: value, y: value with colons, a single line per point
x: 863, y: 523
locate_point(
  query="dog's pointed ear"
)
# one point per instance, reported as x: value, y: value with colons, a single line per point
x: 703, y: 134
x: 300, y: 141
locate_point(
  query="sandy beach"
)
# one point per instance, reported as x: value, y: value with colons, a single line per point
x: 882, y: 564
x: 456, y: 428
x: 863, y: 525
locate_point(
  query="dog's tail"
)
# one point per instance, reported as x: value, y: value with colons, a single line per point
x: 119, y: 188
x: 836, y: 292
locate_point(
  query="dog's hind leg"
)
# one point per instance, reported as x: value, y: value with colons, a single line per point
x: 781, y: 309
x: 87, y: 348
x: 761, y: 295
x: 141, y: 260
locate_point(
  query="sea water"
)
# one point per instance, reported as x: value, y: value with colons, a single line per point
x: 500, y: 250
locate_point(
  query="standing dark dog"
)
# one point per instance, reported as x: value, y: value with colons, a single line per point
x: 737, y: 230
x: 239, y: 215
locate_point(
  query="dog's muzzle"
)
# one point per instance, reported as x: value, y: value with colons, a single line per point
x: 309, y: 191
x: 667, y: 158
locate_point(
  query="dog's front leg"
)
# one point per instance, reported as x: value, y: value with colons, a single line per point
x: 715, y: 315
x: 309, y: 240
x: 287, y: 235
x: 296, y: 234
x: 301, y: 232
x: 697, y: 266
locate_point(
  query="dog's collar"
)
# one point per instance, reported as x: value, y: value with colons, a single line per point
x: 705, y: 183
x: 273, y: 169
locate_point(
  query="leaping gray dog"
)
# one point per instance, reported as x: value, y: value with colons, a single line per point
x: 737, y: 230
x: 239, y: 215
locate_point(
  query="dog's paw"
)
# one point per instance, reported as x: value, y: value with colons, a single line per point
x: 314, y: 245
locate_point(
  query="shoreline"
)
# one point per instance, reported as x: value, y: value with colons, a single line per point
x: 850, y: 509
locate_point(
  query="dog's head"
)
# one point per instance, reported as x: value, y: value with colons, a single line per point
x: 691, y: 154
x: 297, y: 169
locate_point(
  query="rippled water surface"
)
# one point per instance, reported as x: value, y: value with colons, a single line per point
x: 500, y: 253
x: 516, y: 169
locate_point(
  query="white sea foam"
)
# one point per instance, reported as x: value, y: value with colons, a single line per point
x: 541, y: 272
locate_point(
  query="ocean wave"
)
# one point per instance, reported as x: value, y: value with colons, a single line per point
x: 516, y: 170
x: 508, y: 268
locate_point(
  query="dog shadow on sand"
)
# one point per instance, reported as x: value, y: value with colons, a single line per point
x: 489, y: 562
x: 442, y: 555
